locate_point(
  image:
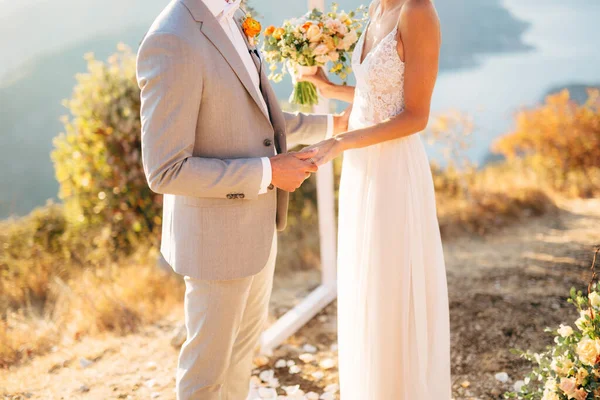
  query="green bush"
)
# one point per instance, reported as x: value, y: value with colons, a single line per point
x: 98, y: 158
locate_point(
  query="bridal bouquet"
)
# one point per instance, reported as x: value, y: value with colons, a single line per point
x: 571, y: 368
x: 302, y: 45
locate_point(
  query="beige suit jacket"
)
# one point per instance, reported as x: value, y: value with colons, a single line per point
x: 203, y: 134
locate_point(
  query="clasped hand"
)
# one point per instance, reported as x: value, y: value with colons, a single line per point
x: 289, y: 170
x: 326, y: 151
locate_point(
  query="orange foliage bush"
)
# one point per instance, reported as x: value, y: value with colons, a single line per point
x: 559, y: 137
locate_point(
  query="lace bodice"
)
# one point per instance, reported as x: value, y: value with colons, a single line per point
x: 379, y: 91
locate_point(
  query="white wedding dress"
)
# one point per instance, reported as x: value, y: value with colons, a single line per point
x: 394, y: 340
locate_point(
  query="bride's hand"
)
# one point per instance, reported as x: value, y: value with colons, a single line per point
x: 320, y: 80
x: 340, y: 122
x: 328, y: 150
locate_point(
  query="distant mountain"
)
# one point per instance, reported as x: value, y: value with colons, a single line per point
x: 30, y: 108
x: 577, y: 91
x: 53, y: 35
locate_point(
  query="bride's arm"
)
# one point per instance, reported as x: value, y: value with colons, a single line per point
x: 329, y: 89
x: 420, y: 33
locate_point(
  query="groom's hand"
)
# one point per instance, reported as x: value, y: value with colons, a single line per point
x: 291, y: 169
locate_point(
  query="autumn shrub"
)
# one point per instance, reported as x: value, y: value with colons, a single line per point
x: 59, y: 281
x: 98, y: 157
x: 560, y: 141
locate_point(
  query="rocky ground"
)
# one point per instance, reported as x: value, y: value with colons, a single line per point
x: 504, y: 290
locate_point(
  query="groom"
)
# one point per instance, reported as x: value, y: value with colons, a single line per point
x: 214, y: 142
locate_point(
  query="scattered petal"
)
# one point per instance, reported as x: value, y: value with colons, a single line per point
x: 502, y: 377
x: 318, y: 375
x: 267, y: 375
x: 327, y: 363
x: 294, y: 369
x: 309, y: 348
x: 281, y: 363
x: 267, y: 393
x: 307, y: 357
x: 334, y: 387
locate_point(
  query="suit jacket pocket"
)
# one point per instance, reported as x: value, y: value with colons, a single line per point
x: 210, y: 203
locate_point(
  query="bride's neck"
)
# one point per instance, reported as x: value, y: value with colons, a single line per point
x: 386, y: 5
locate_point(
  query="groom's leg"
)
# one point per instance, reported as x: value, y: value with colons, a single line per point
x: 213, y: 317
x: 253, y: 323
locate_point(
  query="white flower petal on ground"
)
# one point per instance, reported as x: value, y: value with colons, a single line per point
x: 307, y: 357
x: 318, y: 375
x: 267, y: 393
x: 327, y: 396
x: 502, y: 377
x: 291, y: 390
x: 281, y: 363
x: 291, y: 362
x: 294, y: 369
x: 267, y: 375
x: 312, y: 396
x: 333, y: 388
x: 274, y: 383
x: 518, y: 385
x: 309, y: 348
x: 327, y: 363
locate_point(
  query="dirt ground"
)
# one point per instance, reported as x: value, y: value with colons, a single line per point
x: 504, y: 290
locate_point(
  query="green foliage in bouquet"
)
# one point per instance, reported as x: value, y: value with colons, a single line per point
x: 570, y: 369
x: 98, y: 158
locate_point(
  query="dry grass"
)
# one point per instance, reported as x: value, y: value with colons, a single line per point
x: 61, y: 284
x: 115, y: 299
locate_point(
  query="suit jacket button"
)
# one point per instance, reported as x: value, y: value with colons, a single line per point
x: 268, y: 142
x: 271, y: 187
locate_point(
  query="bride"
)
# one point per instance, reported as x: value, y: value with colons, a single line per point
x: 394, y: 340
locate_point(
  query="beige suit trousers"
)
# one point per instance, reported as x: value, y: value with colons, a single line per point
x: 224, y: 320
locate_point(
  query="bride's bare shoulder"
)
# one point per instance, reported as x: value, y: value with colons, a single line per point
x: 421, y: 11
x: 421, y: 14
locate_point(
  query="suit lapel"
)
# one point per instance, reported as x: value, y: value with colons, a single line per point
x: 211, y: 28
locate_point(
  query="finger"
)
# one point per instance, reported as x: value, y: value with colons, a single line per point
x: 306, y: 154
x: 312, y: 168
x: 306, y: 175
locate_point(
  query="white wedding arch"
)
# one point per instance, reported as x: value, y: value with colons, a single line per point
x: 319, y: 298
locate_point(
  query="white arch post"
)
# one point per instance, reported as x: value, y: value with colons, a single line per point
x: 318, y: 299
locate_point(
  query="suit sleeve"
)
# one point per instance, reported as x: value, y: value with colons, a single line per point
x: 306, y: 129
x: 169, y: 73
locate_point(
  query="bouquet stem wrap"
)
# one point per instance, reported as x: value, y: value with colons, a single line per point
x: 304, y: 93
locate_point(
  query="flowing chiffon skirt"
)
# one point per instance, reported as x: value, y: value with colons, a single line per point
x: 393, y: 318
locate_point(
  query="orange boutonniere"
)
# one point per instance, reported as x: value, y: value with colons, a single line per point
x: 251, y: 28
